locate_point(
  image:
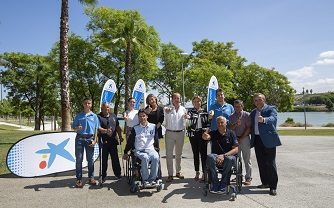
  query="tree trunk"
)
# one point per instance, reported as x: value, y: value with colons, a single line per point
x: 37, y: 119
x: 127, y: 73
x: 118, y: 94
x: 64, y: 74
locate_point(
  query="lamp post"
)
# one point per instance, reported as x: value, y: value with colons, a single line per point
x: 304, y: 109
x: 183, y: 90
x: 1, y: 86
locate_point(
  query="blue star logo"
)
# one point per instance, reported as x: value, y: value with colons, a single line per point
x: 55, y: 150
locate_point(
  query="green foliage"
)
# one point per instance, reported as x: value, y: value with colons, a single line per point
x: 219, y: 59
x: 30, y: 79
x: 315, y: 100
x: 329, y: 105
x: 130, y: 42
x: 84, y: 74
x: 329, y: 125
x: 6, y: 108
x: 289, y: 120
x: 168, y: 78
x: 275, y: 86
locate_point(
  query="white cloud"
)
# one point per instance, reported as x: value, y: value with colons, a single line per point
x: 327, y: 54
x: 305, y: 72
x: 317, y: 76
x: 325, y: 58
x: 324, y: 62
x: 318, y: 85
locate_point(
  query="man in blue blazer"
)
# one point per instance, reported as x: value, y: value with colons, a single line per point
x: 264, y: 139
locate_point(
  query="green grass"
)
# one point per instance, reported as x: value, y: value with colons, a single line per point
x: 8, y: 136
x: 7, y: 127
x: 307, y: 132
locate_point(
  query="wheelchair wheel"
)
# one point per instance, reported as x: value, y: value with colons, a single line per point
x: 133, y: 189
x: 159, y: 187
x: 129, y: 169
x: 233, y: 197
x: 206, y: 183
x: 205, y: 191
x: 239, y: 174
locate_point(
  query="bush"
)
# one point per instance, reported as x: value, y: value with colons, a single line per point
x: 329, y: 125
x: 290, y: 123
x: 289, y: 120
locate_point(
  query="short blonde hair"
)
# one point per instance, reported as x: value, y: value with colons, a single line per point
x: 259, y: 95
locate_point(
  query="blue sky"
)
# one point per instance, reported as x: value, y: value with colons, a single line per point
x: 295, y: 37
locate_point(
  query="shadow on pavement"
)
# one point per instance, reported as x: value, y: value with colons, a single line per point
x: 248, y: 190
x: 70, y: 183
x: 122, y: 188
x: 192, y: 190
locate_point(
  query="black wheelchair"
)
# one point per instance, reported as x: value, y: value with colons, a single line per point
x: 133, y: 175
x: 232, y: 189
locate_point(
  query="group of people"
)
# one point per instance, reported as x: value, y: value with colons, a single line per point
x: 230, y: 129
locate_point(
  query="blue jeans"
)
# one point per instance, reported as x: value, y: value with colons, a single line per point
x: 147, y: 156
x: 80, y: 145
x: 226, y: 172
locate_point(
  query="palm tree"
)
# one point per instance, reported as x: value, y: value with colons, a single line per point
x: 63, y: 58
x: 133, y: 35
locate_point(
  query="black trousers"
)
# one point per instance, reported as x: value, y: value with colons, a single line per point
x: 111, y: 149
x: 266, y: 160
x: 198, y: 146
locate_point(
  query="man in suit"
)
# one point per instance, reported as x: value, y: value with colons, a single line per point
x: 264, y: 139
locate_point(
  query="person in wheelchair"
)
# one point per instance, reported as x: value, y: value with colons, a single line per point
x: 223, y: 150
x: 144, y: 143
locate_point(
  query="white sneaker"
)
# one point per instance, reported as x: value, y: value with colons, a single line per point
x: 153, y: 183
x: 146, y: 184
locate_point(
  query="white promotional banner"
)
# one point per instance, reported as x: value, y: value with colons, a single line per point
x: 108, y: 91
x: 139, y: 94
x: 212, y: 88
x: 44, y: 154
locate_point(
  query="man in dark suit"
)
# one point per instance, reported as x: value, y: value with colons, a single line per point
x: 265, y: 139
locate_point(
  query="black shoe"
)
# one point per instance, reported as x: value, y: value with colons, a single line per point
x: 262, y: 186
x: 273, y: 192
x: 118, y: 176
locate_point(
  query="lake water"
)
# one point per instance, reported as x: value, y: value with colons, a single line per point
x: 313, y: 118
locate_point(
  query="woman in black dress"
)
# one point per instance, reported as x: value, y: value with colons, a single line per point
x: 198, y: 122
x: 155, y: 112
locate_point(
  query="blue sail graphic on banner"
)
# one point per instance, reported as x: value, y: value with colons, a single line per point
x: 137, y: 96
x: 212, y: 90
x: 138, y: 93
x: 211, y: 98
x: 107, y: 96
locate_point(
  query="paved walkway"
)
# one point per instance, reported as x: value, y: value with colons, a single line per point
x: 47, y: 126
x: 305, y: 166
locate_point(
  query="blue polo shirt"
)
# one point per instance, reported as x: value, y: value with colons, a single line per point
x: 89, y: 123
x: 225, y: 110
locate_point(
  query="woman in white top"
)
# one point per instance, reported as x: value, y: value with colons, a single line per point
x: 130, y: 117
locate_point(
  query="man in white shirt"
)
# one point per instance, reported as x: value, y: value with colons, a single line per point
x: 175, y: 116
